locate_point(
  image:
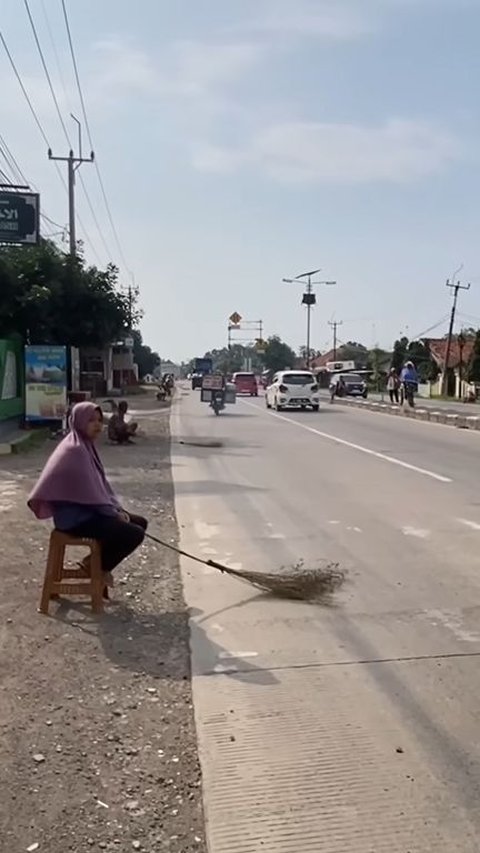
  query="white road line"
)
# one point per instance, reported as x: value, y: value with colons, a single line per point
x: 416, y: 531
x: 473, y: 525
x: 367, y: 450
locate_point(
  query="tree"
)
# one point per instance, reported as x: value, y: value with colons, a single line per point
x: 48, y: 297
x: 473, y: 369
x: 399, y: 353
x: 353, y: 351
x: 278, y: 355
x: 145, y: 358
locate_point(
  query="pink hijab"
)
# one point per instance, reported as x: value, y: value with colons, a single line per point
x: 74, y: 472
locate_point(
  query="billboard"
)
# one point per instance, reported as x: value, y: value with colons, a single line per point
x: 45, y: 383
x: 19, y: 217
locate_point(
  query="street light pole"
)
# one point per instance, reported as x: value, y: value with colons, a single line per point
x: 309, y: 298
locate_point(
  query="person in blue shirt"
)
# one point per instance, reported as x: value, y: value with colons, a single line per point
x: 409, y: 381
x: 409, y: 373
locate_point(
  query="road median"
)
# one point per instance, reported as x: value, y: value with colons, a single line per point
x: 458, y: 421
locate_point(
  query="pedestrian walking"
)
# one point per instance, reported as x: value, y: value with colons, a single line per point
x: 73, y: 489
x: 393, y: 384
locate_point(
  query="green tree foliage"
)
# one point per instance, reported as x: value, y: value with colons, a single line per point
x: 427, y: 368
x: 353, y: 351
x: 399, y: 355
x: 48, y: 297
x: 473, y: 369
x: 278, y: 355
x: 146, y: 359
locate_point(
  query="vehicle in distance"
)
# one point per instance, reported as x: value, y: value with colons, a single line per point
x: 293, y: 389
x: 202, y: 367
x: 245, y: 383
x: 350, y: 385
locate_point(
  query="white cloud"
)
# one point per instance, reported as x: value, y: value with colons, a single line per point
x: 303, y: 152
x: 328, y: 19
x: 189, y: 68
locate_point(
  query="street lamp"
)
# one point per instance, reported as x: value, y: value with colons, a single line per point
x: 309, y: 298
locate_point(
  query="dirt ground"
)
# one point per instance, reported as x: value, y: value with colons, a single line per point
x: 97, y: 737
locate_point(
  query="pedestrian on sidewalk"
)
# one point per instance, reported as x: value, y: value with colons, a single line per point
x: 393, y: 384
x: 73, y: 490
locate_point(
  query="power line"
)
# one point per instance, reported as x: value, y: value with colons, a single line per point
x: 89, y: 134
x: 62, y: 122
x: 43, y: 135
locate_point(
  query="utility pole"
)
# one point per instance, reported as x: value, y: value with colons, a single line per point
x: 334, y: 324
x: 308, y: 299
x: 456, y: 287
x: 74, y: 164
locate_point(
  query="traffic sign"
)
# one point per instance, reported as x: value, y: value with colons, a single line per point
x: 19, y: 218
x: 235, y: 318
x: 260, y: 345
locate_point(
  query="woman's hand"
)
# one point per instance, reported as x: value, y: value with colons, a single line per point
x: 123, y: 516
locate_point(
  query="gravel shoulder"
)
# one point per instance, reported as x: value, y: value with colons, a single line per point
x: 97, y: 737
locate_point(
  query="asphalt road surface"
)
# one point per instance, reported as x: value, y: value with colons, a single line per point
x: 353, y: 727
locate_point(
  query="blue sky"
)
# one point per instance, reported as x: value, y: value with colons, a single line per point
x: 245, y: 141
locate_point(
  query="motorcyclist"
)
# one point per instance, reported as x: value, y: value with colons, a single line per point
x: 409, y: 380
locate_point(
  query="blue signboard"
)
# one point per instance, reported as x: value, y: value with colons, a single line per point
x: 45, y: 383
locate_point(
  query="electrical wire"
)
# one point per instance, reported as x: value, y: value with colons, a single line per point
x: 18, y: 174
x: 431, y: 328
x: 89, y: 134
x: 62, y: 122
x: 44, y: 136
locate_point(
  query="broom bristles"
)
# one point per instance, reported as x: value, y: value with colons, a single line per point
x: 297, y: 583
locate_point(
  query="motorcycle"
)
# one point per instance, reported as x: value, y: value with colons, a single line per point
x: 408, y: 393
x: 218, y: 401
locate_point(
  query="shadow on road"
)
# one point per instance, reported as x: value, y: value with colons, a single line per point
x: 146, y: 643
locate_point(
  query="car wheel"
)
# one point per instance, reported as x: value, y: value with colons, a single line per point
x: 278, y: 407
x: 316, y: 408
x: 267, y: 403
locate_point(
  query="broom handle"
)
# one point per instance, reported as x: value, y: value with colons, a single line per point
x: 183, y: 553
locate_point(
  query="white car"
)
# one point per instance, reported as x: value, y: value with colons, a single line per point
x: 293, y: 388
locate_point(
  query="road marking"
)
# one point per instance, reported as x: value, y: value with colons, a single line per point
x: 367, y: 450
x: 473, y: 525
x: 233, y: 655
x: 416, y: 531
x: 452, y: 620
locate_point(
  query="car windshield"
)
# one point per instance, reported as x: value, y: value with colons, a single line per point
x: 297, y: 378
x: 248, y: 377
x: 352, y: 377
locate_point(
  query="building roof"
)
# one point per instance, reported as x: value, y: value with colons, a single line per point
x: 323, y: 360
x: 438, y: 350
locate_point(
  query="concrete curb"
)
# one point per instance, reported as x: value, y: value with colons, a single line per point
x: 23, y: 443
x: 459, y: 421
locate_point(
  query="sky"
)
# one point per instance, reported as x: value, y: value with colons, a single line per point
x: 244, y: 141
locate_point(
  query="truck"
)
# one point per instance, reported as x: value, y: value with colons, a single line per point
x: 202, y: 367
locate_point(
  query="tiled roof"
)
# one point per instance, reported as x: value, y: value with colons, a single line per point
x: 438, y: 348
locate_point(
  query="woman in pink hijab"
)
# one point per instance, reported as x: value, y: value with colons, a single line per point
x: 73, y: 490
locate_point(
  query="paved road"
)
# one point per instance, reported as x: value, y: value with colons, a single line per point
x: 344, y: 728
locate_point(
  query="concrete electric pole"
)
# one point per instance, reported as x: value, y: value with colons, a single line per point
x: 456, y: 287
x: 335, y: 324
x: 74, y: 163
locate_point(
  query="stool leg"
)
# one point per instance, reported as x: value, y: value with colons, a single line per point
x: 51, y: 573
x: 97, y: 581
